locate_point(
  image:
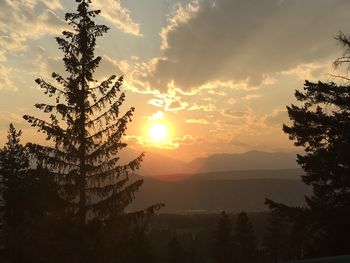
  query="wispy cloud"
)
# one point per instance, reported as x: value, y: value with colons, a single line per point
x: 24, y: 20
x: 181, y: 14
x: 156, y: 116
x: 7, y: 117
x: 113, y: 11
x: 168, y: 102
x: 197, y: 121
x: 203, y: 107
x: 6, y: 82
x: 252, y: 96
x: 53, y: 4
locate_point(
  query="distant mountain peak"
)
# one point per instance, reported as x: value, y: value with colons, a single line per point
x: 250, y: 160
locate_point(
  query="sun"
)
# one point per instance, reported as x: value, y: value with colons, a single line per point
x: 158, y: 132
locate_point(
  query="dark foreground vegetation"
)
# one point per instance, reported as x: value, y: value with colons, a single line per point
x: 69, y: 203
x: 66, y: 203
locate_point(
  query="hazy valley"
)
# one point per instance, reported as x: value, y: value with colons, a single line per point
x: 242, y: 182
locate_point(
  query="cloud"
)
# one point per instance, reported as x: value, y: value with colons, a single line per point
x: 217, y: 92
x: 23, y: 20
x: 252, y: 96
x: 232, y: 101
x: 117, y: 15
x: 188, y: 139
x: 204, y: 107
x: 156, y: 116
x: 277, y: 118
x: 107, y: 68
x: 47, y: 64
x: 156, y: 102
x: 181, y: 14
x: 10, y: 117
x: 8, y: 43
x: 234, y: 113
x: 246, y: 41
x: 197, y: 121
x: 53, y: 4
x: 168, y: 102
x: 2, y: 55
x: 176, y: 105
x: 310, y: 71
x: 5, y: 81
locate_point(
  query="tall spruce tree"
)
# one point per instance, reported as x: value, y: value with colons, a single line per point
x: 321, y: 125
x: 86, y: 126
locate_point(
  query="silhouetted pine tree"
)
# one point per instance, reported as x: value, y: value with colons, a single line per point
x: 223, y: 246
x: 244, y: 240
x: 321, y: 125
x: 14, y: 167
x: 29, y: 196
x: 87, y: 127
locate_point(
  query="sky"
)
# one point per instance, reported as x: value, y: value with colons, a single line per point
x: 217, y: 74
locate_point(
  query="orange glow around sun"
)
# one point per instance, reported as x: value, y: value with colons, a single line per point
x: 158, y: 132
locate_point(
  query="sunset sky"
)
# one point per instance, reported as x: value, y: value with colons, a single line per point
x: 215, y: 75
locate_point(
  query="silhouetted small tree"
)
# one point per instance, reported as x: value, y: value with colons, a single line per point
x: 321, y: 125
x: 244, y: 240
x: 86, y: 126
x: 29, y: 196
x: 223, y: 245
x: 15, y: 192
x: 14, y: 168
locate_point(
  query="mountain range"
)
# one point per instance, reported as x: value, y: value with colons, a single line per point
x: 231, y: 182
x: 158, y: 165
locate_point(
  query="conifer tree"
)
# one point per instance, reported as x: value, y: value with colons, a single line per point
x: 321, y: 125
x: 14, y: 167
x: 86, y: 126
x: 244, y: 240
x: 223, y: 245
x: 275, y: 238
x: 28, y: 195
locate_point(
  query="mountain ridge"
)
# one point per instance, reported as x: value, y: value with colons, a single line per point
x: 156, y: 164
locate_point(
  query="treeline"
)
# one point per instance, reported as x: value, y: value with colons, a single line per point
x: 257, y: 237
